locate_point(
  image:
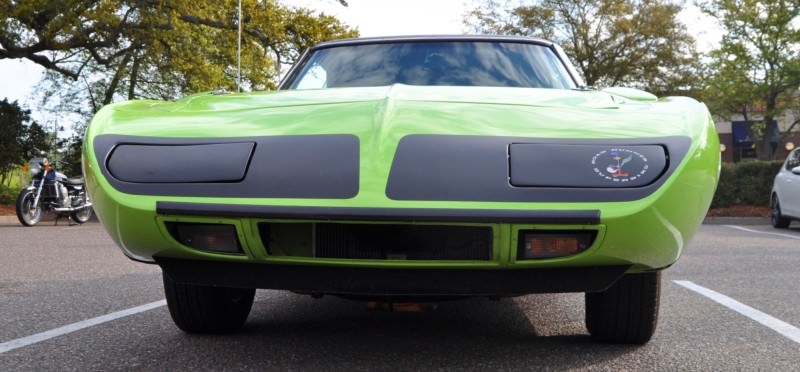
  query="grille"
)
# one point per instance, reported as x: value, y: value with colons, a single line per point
x: 382, y: 242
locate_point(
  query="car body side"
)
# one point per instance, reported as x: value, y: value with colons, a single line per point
x: 785, y: 196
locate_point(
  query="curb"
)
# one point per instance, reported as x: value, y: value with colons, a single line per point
x: 9, y: 220
x: 47, y: 218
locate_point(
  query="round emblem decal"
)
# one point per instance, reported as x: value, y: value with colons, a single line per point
x: 620, y: 164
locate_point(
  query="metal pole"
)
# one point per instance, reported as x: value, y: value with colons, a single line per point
x: 239, y: 52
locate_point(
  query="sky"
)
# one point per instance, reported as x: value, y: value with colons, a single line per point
x: 372, y: 17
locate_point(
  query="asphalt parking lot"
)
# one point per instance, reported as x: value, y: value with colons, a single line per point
x: 70, y: 301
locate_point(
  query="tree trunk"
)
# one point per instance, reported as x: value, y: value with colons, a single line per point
x: 764, y: 147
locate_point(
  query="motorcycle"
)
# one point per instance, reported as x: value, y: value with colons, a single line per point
x: 52, y: 191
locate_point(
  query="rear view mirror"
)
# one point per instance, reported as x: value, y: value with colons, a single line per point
x: 796, y: 170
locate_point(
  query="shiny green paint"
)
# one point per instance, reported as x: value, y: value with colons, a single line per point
x: 630, y: 93
x: 649, y: 233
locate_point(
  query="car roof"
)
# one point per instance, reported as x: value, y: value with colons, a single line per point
x: 430, y: 38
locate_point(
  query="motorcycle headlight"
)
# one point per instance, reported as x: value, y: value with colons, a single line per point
x: 34, y: 168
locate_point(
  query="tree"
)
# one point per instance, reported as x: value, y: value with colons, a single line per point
x: 35, y: 141
x: 132, y: 36
x: 20, y: 138
x: 70, y: 162
x: 639, y: 43
x: 99, y: 51
x: 159, y: 49
x: 757, y: 64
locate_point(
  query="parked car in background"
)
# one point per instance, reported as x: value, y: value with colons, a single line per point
x: 409, y: 169
x: 785, y: 198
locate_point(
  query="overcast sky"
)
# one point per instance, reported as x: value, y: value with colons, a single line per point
x: 372, y: 17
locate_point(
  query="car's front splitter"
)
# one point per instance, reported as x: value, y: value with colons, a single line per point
x: 392, y: 281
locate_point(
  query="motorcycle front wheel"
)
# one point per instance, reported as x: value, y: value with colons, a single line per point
x: 28, y: 213
x: 82, y: 215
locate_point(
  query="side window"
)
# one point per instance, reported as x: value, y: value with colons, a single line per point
x: 315, y: 77
x: 793, y: 160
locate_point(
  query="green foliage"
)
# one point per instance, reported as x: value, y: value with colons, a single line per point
x: 746, y: 183
x: 97, y: 52
x: 70, y: 162
x: 20, y: 138
x: 726, y: 194
x: 612, y: 42
x: 757, y: 63
x: 8, y: 195
x: 12, y: 129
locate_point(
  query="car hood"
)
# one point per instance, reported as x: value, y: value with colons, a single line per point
x: 398, y: 110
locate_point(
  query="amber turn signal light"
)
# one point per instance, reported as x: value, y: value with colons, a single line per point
x: 549, y: 244
x: 206, y: 236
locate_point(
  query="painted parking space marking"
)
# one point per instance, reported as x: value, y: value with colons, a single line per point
x: 60, y: 331
x: 789, y: 331
x: 763, y: 232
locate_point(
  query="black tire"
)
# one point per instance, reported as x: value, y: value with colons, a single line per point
x: 627, y: 312
x: 205, y: 309
x: 776, y: 217
x: 27, y: 213
x: 84, y: 214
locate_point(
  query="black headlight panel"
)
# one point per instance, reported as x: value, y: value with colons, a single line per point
x: 590, y: 166
x: 214, y: 162
x: 324, y: 166
x: 530, y: 169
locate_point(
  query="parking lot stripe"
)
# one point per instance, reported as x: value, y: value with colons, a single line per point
x: 763, y: 232
x: 789, y: 331
x: 60, y: 331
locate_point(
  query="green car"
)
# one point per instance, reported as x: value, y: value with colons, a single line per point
x: 409, y: 169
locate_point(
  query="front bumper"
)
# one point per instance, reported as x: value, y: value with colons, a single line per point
x: 637, y: 229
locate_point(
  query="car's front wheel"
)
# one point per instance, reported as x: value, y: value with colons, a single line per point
x: 626, y: 312
x: 206, y: 309
x: 776, y: 217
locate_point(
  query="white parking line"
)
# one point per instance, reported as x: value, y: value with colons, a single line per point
x: 789, y: 331
x: 763, y: 232
x: 60, y: 331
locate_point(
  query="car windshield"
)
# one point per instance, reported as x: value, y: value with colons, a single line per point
x: 454, y: 63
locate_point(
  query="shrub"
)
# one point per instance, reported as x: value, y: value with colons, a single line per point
x: 8, y: 195
x: 745, y: 183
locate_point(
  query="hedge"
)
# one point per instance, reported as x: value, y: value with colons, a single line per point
x: 745, y: 183
x: 8, y: 195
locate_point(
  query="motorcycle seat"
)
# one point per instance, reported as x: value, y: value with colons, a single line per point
x: 75, y: 181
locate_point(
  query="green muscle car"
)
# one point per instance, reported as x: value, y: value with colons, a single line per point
x: 409, y: 169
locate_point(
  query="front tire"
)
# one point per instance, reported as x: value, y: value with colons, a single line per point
x: 206, y: 309
x: 776, y: 217
x: 626, y: 312
x: 27, y: 213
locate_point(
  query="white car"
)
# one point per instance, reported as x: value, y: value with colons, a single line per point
x: 785, y: 198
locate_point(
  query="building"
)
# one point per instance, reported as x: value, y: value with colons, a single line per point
x: 735, y: 140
